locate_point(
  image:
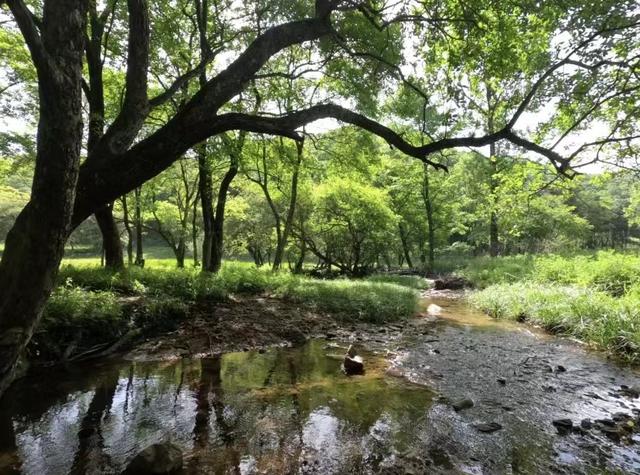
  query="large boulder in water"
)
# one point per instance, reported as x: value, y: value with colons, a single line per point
x: 162, y: 458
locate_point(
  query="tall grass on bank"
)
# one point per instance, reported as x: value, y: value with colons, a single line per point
x: 611, y: 272
x: 378, y: 299
x: 594, y: 316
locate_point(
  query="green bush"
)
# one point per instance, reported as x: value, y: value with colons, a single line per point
x: 80, y: 318
x: 156, y: 316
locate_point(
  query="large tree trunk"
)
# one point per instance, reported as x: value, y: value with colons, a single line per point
x: 111, y: 244
x: 35, y: 244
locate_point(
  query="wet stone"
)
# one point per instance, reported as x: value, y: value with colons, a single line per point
x: 462, y: 404
x: 586, y: 424
x: 487, y: 427
x: 563, y: 426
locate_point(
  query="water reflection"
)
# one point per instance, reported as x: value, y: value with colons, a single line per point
x: 282, y: 411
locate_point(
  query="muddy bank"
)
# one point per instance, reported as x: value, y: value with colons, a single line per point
x: 257, y: 323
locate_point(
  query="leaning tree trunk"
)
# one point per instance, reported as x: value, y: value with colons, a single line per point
x: 217, y: 246
x: 35, y: 244
x: 111, y: 244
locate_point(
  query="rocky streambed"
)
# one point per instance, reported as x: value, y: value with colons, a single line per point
x: 450, y: 392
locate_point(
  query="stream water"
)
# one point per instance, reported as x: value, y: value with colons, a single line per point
x: 291, y: 410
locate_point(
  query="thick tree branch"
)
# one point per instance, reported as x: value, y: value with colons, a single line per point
x: 29, y: 29
x: 135, y: 107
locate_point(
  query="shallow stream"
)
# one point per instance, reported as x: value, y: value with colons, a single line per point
x: 291, y: 410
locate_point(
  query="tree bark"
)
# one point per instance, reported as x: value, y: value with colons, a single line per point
x: 288, y: 223
x: 494, y: 242
x: 405, y: 245
x: 217, y: 246
x: 127, y: 226
x: 111, y: 244
x: 205, y: 184
x: 139, y: 244
x: 35, y: 244
x: 428, y: 205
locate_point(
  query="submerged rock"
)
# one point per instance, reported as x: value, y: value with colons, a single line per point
x: 487, y: 427
x: 165, y: 458
x: 434, y: 309
x: 352, y: 363
x: 462, y: 404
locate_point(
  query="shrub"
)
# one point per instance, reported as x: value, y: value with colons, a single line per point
x: 156, y: 316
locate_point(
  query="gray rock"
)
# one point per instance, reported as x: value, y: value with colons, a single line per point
x: 462, y: 404
x: 487, y: 427
x: 164, y: 458
x: 563, y: 426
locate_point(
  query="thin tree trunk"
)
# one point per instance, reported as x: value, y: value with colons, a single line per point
x: 35, y: 244
x: 405, y: 245
x: 494, y: 242
x: 288, y: 223
x: 300, y: 262
x: 217, y: 246
x: 194, y: 231
x: 205, y: 184
x: 139, y: 244
x: 127, y: 227
x: 428, y: 205
x: 179, y: 251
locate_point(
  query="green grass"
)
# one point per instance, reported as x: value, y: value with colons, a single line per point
x: 410, y: 281
x: 594, y: 316
x: 379, y: 298
x: 608, y: 271
x: 375, y: 302
x: 92, y: 305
